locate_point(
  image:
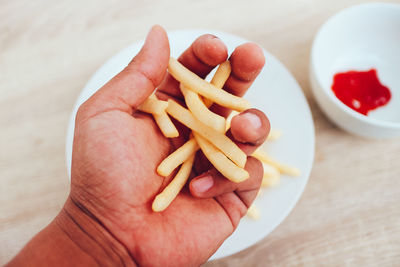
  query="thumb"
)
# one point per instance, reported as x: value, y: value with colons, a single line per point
x: 128, y: 89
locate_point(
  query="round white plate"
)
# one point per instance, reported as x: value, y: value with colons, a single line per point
x: 276, y: 93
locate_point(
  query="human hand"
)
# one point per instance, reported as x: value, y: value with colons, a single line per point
x: 116, y: 152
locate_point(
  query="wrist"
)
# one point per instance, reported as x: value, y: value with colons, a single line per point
x: 74, y: 238
x: 86, y: 232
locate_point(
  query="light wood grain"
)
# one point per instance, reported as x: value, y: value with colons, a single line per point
x: 349, y: 214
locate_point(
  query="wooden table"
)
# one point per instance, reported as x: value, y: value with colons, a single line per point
x: 349, y: 213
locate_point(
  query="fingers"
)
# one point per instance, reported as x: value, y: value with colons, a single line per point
x: 212, y: 183
x: 233, y: 206
x: 201, y: 57
x: 137, y: 81
x: 235, y: 199
x: 206, y: 52
x: 249, y: 129
x: 246, y: 61
x: 235, y: 203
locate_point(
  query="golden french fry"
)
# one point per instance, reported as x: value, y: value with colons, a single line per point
x: 202, y: 87
x: 165, y: 124
x: 270, y: 181
x: 177, y: 157
x: 153, y: 106
x: 229, y: 119
x: 284, y: 169
x: 201, y: 112
x: 274, y: 135
x: 162, y: 200
x: 221, y: 141
x: 163, y: 121
x: 219, y: 79
x: 271, y: 176
x: 222, y: 74
x: 270, y: 170
x: 208, y: 134
x: 260, y: 155
x: 253, y: 212
x: 226, y: 167
x: 180, y: 155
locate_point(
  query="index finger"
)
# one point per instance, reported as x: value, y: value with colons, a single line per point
x: 205, y: 53
x: 247, y: 61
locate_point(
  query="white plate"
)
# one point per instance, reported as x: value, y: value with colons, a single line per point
x: 276, y: 93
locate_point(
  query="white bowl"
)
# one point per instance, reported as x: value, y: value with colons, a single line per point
x: 359, y: 38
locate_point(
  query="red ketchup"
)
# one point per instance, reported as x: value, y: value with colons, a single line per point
x: 360, y: 90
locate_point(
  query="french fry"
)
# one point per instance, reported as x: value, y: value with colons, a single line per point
x: 253, y: 212
x: 153, y: 106
x: 165, y: 124
x: 170, y: 163
x: 229, y: 119
x: 222, y: 74
x: 202, y: 87
x: 219, y: 79
x: 284, y: 169
x: 226, y: 167
x: 271, y: 176
x: 163, y: 121
x: 270, y: 181
x: 208, y: 134
x: 201, y: 112
x: 274, y: 135
x: 177, y: 157
x: 181, y: 154
x: 270, y: 170
x: 221, y: 141
x: 162, y: 200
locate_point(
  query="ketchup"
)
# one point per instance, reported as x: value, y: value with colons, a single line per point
x: 360, y: 90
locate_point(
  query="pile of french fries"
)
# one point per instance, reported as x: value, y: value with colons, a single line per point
x: 272, y: 171
x: 208, y: 132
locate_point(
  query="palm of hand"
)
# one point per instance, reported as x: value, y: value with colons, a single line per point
x: 115, y: 168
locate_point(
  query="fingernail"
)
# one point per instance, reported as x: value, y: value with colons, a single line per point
x: 252, y: 119
x: 203, y: 184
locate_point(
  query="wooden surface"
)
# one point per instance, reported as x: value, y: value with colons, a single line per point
x: 349, y: 213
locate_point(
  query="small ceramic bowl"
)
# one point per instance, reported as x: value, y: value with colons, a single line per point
x: 359, y: 38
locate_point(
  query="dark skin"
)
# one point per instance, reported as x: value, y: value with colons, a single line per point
x: 107, y: 219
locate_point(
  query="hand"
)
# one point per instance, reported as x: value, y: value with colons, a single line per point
x: 115, y: 155
x: 116, y: 152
